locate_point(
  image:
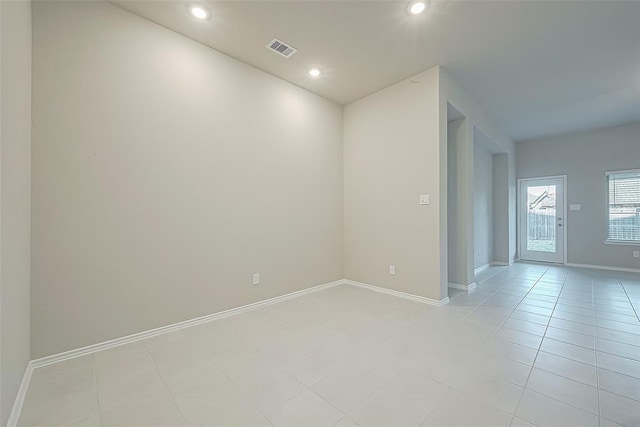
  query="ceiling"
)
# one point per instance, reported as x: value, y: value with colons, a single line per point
x: 540, y: 68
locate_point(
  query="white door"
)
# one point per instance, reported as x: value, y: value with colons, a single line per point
x: 542, y: 219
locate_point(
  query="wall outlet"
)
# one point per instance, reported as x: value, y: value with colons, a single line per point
x: 636, y: 254
x: 424, y: 199
x: 256, y: 279
x: 392, y: 270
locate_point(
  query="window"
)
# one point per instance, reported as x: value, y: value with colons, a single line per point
x: 624, y: 206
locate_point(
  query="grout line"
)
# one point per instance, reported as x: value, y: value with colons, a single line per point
x: 95, y: 382
x: 624, y: 375
x: 146, y: 347
x: 516, y: 307
x: 629, y: 299
x: 508, y: 317
x: 540, y: 346
x: 595, y: 352
x: 492, y: 295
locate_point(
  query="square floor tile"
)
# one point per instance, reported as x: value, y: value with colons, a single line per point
x: 623, y: 385
x: 620, y: 409
x: 618, y: 349
x: 230, y: 411
x: 305, y: 409
x: 541, y: 410
x: 150, y: 411
x: 385, y: 409
x: 622, y: 365
x: 568, y: 391
x: 571, y: 337
x: 569, y: 351
x: 568, y: 368
x: 458, y: 409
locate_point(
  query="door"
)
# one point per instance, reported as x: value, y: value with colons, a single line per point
x: 542, y: 219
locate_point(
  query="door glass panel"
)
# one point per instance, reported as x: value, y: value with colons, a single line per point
x: 541, y: 218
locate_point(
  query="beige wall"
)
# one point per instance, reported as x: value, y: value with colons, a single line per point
x: 391, y: 156
x: 15, y: 169
x: 164, y: 175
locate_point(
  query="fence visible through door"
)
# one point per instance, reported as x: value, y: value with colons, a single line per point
x: 542, y: 219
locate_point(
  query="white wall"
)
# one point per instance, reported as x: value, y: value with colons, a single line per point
x: 15, y: 169
x: 584, y: 158
x: 456, y: 210
x: 164, y: 175
x: 391, y: 156
x: 502, y: 208
x: 482, y: 206
x: 504, y: 234
x: 459, y: 203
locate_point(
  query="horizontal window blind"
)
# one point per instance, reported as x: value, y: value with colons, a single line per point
x: 624, y: 206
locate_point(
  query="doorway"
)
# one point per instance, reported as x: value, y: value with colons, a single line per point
x: 542, y: 219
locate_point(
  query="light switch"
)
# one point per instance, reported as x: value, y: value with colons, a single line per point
x: 576, y: 207
x: 424, y: 199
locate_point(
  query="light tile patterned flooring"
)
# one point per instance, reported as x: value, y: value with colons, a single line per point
x: 533, y: 345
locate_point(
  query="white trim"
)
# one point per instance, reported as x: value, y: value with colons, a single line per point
x: 468, y: 287
x: 482, y: 268
x: 622, y: 172
x: 603, y: 267
x: 622, y: 242
x: 608, y: 208
x: 22, y: 393
x: 174, y: 327
x: 399, y: 294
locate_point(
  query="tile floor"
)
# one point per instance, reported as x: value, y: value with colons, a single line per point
x: 532, y: 345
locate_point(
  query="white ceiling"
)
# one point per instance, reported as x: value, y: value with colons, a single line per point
x: 539, y: 67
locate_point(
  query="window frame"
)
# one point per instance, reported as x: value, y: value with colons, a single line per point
x: 609, y: 241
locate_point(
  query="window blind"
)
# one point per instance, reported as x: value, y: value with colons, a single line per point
x: 624, y: 206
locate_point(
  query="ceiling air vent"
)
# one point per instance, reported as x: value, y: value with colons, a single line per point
x: 281, y: 48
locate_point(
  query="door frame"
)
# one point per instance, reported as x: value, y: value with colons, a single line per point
x: 519, y: 215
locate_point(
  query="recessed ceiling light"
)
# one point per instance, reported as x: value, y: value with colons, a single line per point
x: 198, y: 11
x: 314, y: 72
x: 417, y: 7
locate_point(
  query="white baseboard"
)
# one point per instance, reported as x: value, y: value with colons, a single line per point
x: 501, y: 263
x: 174, y: 327
x: 468, y: 287
x: 603, y: 267
x: 22, y: 393
x: 90, y: 349
x: 94, y: 348
x: 399, y: 294
x: 482, y: 268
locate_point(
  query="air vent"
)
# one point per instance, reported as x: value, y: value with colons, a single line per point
x: 281, y: 48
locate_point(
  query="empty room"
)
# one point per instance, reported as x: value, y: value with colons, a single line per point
x: 319, y: 213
